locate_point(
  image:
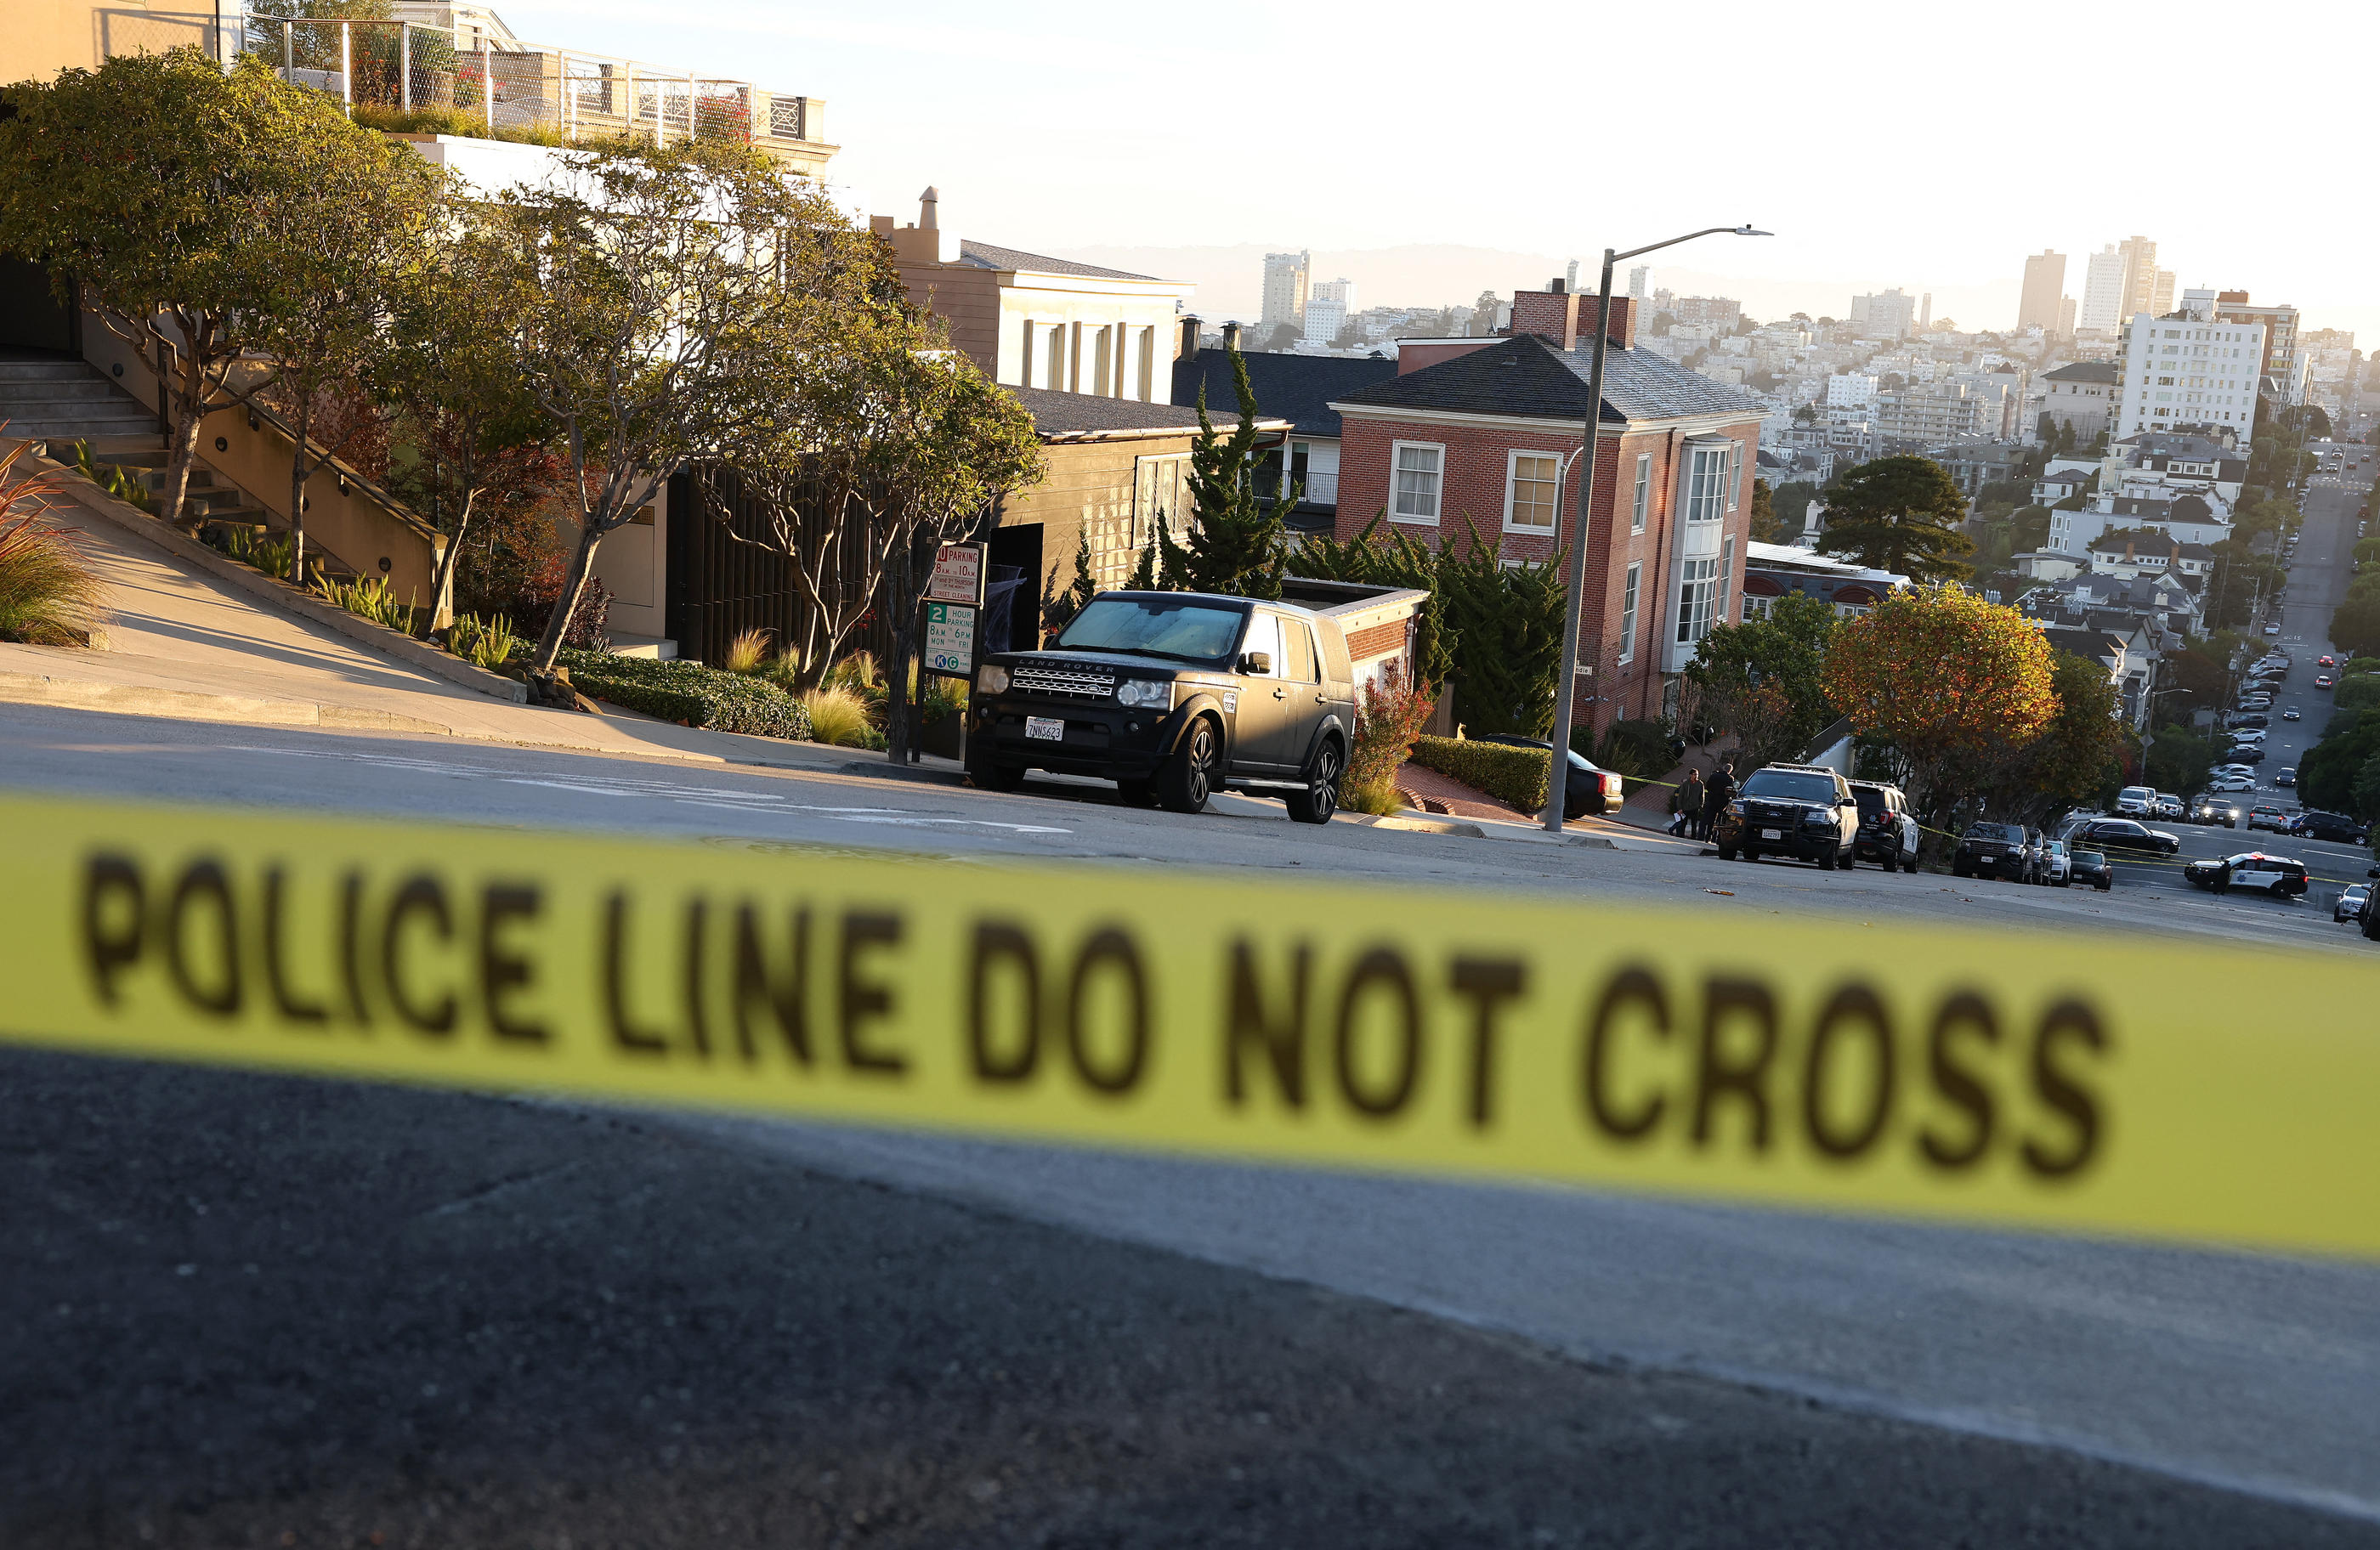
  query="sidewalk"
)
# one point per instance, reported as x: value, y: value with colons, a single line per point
x: 187, y: 645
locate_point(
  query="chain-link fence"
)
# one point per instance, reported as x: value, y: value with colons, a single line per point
x: 522, y: 88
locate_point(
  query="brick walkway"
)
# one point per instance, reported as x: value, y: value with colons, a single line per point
x: 1434, y: 793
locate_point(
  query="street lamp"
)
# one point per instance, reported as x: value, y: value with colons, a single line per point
x: 1557, y: 763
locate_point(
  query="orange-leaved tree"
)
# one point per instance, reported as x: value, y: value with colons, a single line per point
x: 1950, y: 680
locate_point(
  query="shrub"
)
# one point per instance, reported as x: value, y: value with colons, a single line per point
x: 2357, y: 694
x: 489, y: 644
x: 689, y: 692
x: 748, y: 653
x: 48, y: 596
x: 1513, y: 776
x: 1390, y: 715
x: 112, y: 477
x: 839, y: 715
x: 370, y: 599
x: 1637, y: 750
x: 256, y: 548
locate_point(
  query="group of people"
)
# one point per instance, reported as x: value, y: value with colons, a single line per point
x: 1696, y: 804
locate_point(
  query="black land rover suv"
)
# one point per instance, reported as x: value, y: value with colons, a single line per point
x: 1173, y: 695
x: 1802, y: 810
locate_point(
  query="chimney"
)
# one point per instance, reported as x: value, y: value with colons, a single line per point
x: 1552, y: 315
x: 1230, y: 336
x: 1190, y: 337
x: 1622, y: 328
x: 929, y: 212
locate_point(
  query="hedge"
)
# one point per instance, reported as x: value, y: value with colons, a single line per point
x: 691, y: 693
x: 1514, y: 776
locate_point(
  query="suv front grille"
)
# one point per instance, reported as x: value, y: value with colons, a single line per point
x: 1056, y: 683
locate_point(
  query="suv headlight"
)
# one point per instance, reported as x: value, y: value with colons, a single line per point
x: 990, y: 680
x: 1151, y: 692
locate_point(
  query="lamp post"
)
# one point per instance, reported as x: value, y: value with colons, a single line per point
x: 1565, y: 688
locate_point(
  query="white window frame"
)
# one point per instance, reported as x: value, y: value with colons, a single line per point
x: 1644, y: 500
x: 1696, y: 593
x: 1735, y: 473
x: 1396, y: 491
x: 1512, y: 490
x: 1705, y: 497
x: 1726, y: 573
x: 1631, y: 591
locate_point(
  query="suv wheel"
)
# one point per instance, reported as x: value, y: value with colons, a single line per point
x: 1321, y: 797
x: 1188, y: 778
x: 1909, y: 862
x: 1828, y: 859
x: 988, y: 774
x: 1137, y: 793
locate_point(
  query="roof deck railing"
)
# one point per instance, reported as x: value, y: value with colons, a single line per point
x: 570, y: 92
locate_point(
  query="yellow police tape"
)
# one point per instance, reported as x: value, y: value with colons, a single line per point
x: 2092, y: 1082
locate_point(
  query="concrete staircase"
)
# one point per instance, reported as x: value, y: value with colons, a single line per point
x: 62, y: 399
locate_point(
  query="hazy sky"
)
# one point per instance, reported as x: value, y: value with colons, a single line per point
x: 1929, y: 147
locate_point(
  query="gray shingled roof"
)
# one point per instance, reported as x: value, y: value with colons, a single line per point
x: 1064, y: 414
x: 2084, y: 371
x: 983, y: 255
x: 1526, y: 376
x: 1299, y: 389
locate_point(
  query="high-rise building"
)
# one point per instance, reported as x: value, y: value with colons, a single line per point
x: 2045, y: 286
x: 1639, y: 276
x: 2160, y: 299
x: 2189, y: 371
x: 2140, y: 274
x: 2106, y: 280
x: 1570, y: 281
x: 1329, y: 305
x: 2284, y: 359
x: 1885, y: 315
x: 1285, y: 278
x: 2066, y: 317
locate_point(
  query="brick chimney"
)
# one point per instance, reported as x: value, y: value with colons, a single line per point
x: 1562, y: 316
x: 1190, y: 326
x: 1552, y: 315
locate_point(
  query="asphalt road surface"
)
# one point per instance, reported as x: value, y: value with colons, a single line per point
x: 474, y: 1322
x: 250, y: 1311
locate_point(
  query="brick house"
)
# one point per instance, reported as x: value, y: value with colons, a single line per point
x: 1483, y: 435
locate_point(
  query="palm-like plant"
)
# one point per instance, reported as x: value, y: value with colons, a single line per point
x: 48, y: 596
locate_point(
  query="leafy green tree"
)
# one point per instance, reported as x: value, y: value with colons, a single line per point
x: 1238, y: 543
x: 1059, y: 607
x: 135, y: 183
x: 2028, y: 528
x: 476, y: 440
x: 345, y: 213
x: 2180, y: 760
x: 1899, y: 514
x: 1398, y: 560
x: 2355, y: 623
x: 653, y: 266
x: 1792, y: 505
x: 1508, y: 625
x: 2328, y: 772
x: 1765, y: 528
x: 1740, y: 666
x: 1281, y: 336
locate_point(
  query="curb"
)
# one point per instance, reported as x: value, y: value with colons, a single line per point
x: 140, y: 699
x: 281, y: 595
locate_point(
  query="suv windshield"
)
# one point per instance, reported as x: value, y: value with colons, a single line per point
x: 1871, y: 803
x: 1193, y: 632
x: 1786, y: 785
x: 2007, y: 832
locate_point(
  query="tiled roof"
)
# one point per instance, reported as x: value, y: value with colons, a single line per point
x: 1298, y: 389
x: 1526, y: 376
x: 1060, y: 414
x: 983, y: 255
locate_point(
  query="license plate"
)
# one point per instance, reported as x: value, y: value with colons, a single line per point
x: 1048, y: 727
x: 1772, y: 834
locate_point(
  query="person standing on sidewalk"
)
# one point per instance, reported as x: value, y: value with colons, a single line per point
x: 1717, y: 794
x: 1688, y: 800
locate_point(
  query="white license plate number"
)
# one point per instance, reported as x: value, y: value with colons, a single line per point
x: 1772, y: 834
x: 1049, y: 728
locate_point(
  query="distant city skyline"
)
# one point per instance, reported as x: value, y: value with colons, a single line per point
x: 910, y: 97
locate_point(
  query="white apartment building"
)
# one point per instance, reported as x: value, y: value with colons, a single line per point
x: 1286, y: 277
x: 1885, y: 315
x: 2106, y: 280
x: 1329, y: 305
x: 2185, y: 370
x: 1850, y: 389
